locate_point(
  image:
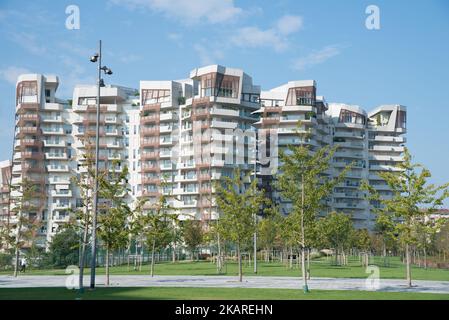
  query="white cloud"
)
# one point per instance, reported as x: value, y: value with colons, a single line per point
x: 188, y: 11
x: 11, y: 73
x: 254, y: 37
x: 289, y: 24
x: 29, y: 42
x: 276, y: 38
x: 174, y: 36
x: 208, y: 56
x: 317, y: 57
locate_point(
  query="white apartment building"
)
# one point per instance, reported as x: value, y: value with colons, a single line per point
x: 368, y: 142
x: 5, y: 177
x: 177, y: 137
x: 42, y: 152
x: 180, y: 120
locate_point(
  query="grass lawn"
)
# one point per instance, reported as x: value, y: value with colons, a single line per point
x: 159, y: 293
x: 319, y: 268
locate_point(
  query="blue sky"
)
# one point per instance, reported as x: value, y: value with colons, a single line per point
x: 405, y: 62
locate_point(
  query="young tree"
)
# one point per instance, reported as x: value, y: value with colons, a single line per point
x: 64, y: 249
x: 411, y: 192
x: 385, y: 228
x: 361, y: 240
x: 113, y: 218
x: 24, y: 207
x: 155, y: 225
x: 303, y: 181
x: 336, y: 231
x: 193, y: 234
x: 268, y: 231
x: 442, y: 240
x: 239, y: 202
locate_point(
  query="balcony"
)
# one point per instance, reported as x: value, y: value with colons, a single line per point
x: 32, y: 155
x: 112, y: 120
x: 223, y: 124
x: 28, y: 117
x: 113, y: 133
x: 53, y: 168
x: 59, y: 181
x: 55, y: 156
x: 387, y: 148
x: 49, y: 143
x: 149, y: 155
x: 149, y: 142
x: 52, y: 106
x: 28, y: 130
x: 185, y: 178
x: 167, y: 116
x: 388, y: 139
x: 149, y: 119
x: 52, y: 131
x: 150, y: 168
x: 151, y: 180
x: 149, y: 131
x: 30, y: 143
x: 59, y: 218
x: 224, y: 112
x: 51, y: 119
x: 354, y: 135
x: 386, y: 158
x: 62, y: 205
x: 61, y: 193
x: 165, y: 129
x: 349, y: 205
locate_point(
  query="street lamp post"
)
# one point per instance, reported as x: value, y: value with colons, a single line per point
x: 96, y: 59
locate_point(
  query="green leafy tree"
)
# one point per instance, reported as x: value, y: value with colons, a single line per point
x: 239, y: 202
x: 193, y: 234
x: 268, y: 233
x: 442, y: 240
x: 113, y: 218
x: 361, y: 240
x: 63, y: 249
x: 411, y: 192
x: 155, y: 225
x: 303, y: 181
x: 24, y: 207
x: 385, y: 228
x: 336, y: 231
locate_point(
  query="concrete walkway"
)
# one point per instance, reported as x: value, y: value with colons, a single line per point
x: 24, y: 281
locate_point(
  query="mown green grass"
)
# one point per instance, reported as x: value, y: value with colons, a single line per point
x: 319, y: 268
x: 161, y: 293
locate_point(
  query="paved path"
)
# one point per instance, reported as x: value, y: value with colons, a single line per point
x: 24, y: 281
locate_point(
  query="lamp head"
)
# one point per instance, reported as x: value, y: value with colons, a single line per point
x: 94, y: 58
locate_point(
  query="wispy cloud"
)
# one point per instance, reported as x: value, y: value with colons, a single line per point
x: 317, y: 57
x: 207, y: 55
x: 29, y: 42
x: 11, y: 73
x: 276, y: 37
x: 188, y: 11
x: 289, y: 24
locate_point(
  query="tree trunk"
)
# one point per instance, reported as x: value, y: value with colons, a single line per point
x: 291, y: 258
x: 174, y: 254
x: 17, y: 249
x: 107, y: 266
x: 83, y: 256
x: 308, y: 264
x: 152, y: 257
x: 16, y: 264
x: 303, y: 266
x: 425, y: 258
x: 408, y: 262
x: 219, y: 264
x: 239, y: 256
